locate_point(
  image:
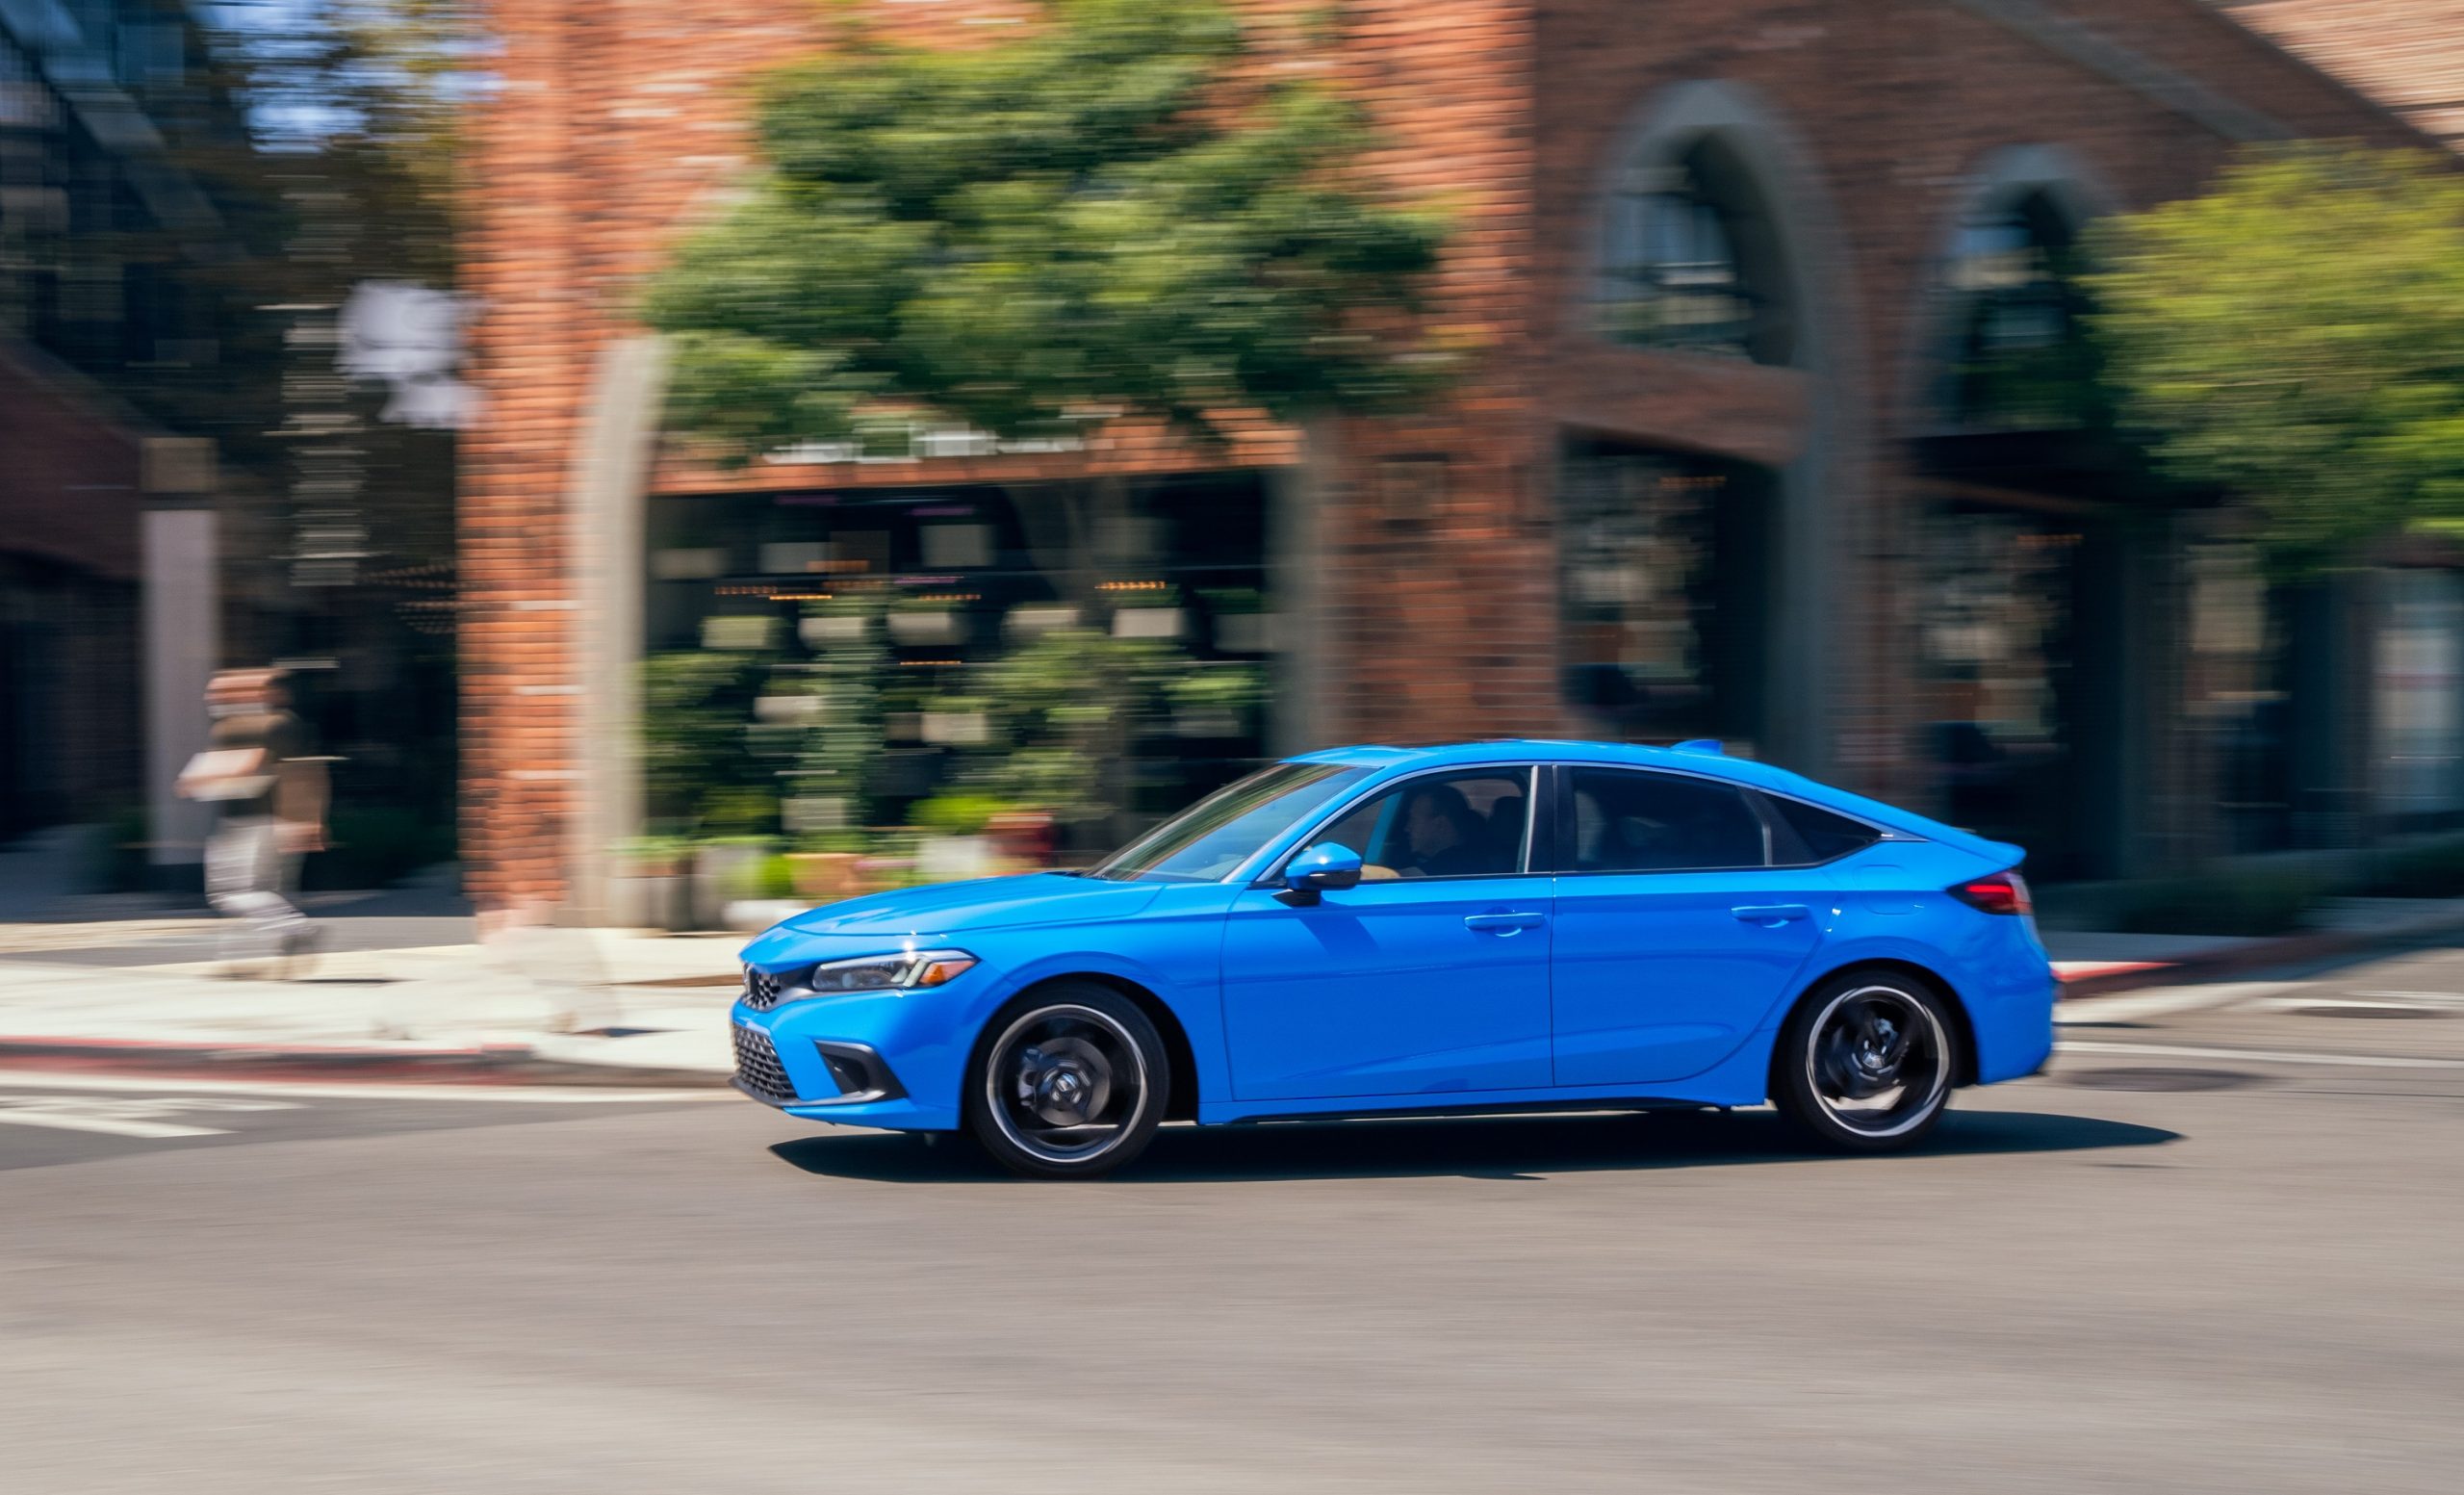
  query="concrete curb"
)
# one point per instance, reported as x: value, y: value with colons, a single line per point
x: 408, y: 1064
x: 2261, y: 954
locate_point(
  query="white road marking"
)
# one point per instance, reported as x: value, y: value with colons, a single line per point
x: 128, y: 1117
x: 2314, y: 1004
x: 519, y: 1095
x: 2163, y: 1000
x: 2259, y: 1055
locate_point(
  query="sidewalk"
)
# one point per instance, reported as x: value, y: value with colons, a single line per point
x: 418, y: 998
x: 2094, y: 964
x: 607, y: 1006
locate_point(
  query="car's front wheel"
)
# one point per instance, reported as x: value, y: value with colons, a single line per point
x: 1868, y: 1061
x: 1071, y: 1083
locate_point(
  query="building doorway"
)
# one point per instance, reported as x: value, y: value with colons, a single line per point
x: 1666, y: 564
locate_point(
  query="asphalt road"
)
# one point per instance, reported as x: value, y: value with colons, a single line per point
x: 2214, y: 1250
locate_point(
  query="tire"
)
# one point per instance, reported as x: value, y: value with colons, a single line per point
x: 1071, y: 1082
x: 1867, y: 1061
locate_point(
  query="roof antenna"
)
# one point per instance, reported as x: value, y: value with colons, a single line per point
x: 1710, y: 745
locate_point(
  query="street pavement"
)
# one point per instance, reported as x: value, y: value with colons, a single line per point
x: 2215, y: 1247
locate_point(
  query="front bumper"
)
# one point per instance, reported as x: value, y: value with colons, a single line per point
x: 826, y: 1078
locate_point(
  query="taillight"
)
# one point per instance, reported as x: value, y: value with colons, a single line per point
x: 2004, y: 893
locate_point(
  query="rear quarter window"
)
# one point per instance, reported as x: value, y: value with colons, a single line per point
x: 1817, y: 835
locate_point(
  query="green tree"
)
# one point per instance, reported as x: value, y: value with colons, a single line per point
x: 842, y: 757
x: 699, y: 767
x: 2295, y: 336
x: 1064, y: 709
x: 1121, y: 209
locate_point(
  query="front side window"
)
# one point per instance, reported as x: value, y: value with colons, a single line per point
x: 1219, y: 833
x: 1620, y: 820
x: 1468, y: 824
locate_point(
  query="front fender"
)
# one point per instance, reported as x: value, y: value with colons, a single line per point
x: 1199, y: 1010
x: 1173, y: 949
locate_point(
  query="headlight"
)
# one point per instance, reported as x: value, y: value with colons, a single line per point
x: 900, y: 970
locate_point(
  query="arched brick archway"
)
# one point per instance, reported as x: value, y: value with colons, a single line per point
x: 1721, y: 143
x: 2050, y: 178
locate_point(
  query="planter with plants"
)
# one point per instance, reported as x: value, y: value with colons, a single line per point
x: 651, y: 888
x: 827, y: 867
x: 730, y: 869
x: 954, y: 842
x: 1214, y: 700
x: 1241, y: 622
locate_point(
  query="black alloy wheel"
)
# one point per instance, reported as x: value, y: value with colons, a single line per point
x: 1072, y: 1083
x: 1868, y: 1061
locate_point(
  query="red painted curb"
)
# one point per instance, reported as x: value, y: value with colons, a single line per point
x: 2258, y: 955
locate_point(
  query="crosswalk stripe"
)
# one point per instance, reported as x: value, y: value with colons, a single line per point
x: 129, y: 1115
x: 517, y: 1094
x: 13, y: 1115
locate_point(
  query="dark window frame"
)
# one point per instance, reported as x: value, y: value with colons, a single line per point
x: 1566, y: 838
x: 1533, y: 863
x: 1759, y: 803
x: 1776, y: 821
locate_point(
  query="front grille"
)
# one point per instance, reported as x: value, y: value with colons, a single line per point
x: 761, y: 989
x: 758, y: 1066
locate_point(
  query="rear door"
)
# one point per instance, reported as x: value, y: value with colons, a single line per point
x: 1675, y: 935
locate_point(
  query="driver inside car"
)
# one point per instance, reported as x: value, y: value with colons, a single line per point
x: 1441, y: 835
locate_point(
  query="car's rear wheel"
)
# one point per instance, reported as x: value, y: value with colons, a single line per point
x: 1868, y: 1061
x: 1071, y: 1084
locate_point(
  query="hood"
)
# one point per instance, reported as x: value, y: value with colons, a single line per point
x: 985, y: 903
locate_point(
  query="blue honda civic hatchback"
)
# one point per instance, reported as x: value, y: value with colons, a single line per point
x: 1471, y: 928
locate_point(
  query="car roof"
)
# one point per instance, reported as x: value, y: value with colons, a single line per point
x: 1689, y: 757
x: 1703, y: 759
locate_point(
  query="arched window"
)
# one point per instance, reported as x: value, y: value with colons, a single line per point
x: 1689, y: 258
x: 2021, y: 360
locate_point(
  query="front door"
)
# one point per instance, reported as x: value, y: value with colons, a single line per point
x: 1673, y: 938
x: 1430, y: 978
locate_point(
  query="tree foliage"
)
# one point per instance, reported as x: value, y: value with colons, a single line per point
x: 2295, y: 336
x: 1118, y: 209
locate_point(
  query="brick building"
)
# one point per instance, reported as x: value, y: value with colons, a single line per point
x: 1769, y: 439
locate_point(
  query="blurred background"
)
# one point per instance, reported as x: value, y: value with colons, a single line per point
x: 500, y: 497
x: 732, y: 452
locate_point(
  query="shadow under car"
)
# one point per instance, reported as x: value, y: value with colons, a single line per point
x: 1462, y: 1146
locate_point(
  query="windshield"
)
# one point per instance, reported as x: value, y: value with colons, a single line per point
x: 1225, y: 829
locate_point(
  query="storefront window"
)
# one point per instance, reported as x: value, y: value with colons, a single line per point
x: 2235, y: 700
x: 1689, y: 262
x: 2420, y: 713
x: 931, y: 587
x: 1664, y: 558
x: 1997, y: 609
x: 2020, y: 362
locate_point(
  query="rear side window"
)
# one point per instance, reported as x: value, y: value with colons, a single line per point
x: 1620, y: 820
x: 1803, y: 834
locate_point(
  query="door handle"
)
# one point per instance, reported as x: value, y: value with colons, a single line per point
x: 1771, y: 915
x: 1504, y: 923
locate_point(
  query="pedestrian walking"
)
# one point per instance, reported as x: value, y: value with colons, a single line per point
x: 270, y: 800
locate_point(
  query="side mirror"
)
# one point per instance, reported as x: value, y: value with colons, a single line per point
x: 1325, y: 865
